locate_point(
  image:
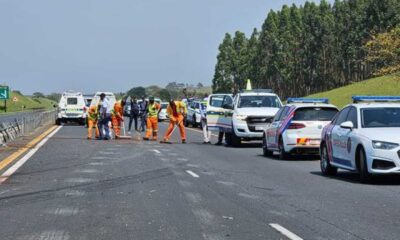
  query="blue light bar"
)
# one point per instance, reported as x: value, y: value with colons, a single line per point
x: 357, y: 99
x: 308, y: 100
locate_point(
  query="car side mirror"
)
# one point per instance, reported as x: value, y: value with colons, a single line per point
x: 347, y: 125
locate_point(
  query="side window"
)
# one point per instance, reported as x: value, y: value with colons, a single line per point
x: 227, y: 101
x: 284, y: 113
x: 342, y: 116
x: 216, y: 101
x: 353, y: 116
x: 278, y: 114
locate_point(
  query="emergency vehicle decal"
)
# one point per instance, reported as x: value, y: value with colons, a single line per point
x: 288, y: 120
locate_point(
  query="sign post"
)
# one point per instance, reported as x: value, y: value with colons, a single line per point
x: 4, y: 95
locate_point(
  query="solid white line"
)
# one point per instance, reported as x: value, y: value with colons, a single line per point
x: 192, y: 174
x: 285, y: 232
x: 156, y: 151
x: 23, y: 160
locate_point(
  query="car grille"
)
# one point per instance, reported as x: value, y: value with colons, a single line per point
x: 254, y: 122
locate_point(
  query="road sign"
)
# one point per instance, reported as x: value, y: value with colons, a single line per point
x: 4, y: 93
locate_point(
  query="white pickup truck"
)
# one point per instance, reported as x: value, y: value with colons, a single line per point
x: 243, y: 117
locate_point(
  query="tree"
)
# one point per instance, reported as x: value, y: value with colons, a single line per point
x: 137, y: 92
x: 164, y: 94
x: 223, y: 77
x: 38, y: 95
x: 384, y: 52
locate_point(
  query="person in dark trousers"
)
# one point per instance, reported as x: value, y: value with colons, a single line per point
x: 134, y: 114
x: 143, y: 114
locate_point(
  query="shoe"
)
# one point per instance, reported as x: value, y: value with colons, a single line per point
x: 89, y: 138
x: 146, y: 139
x: 184, y: 141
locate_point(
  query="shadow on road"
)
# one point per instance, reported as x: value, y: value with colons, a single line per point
x: 294, y: 158
x: 346, y: 176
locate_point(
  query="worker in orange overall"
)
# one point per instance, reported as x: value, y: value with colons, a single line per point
x: 176, y: 111
x: 153, y: 109
x: 93, y: 117
x: 117, y: 117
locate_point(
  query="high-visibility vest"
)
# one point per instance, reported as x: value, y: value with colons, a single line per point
x: 153, y: 109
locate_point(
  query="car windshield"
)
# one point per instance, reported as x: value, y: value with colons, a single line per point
x: 315, y: 114
x: 259, y: 101
x: 72, y: 101
x: 380, y: 117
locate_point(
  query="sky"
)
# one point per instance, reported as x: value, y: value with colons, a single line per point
x: 103, y: 45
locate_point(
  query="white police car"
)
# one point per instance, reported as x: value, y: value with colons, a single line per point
x: 364, y: 137
x: 297, y: 127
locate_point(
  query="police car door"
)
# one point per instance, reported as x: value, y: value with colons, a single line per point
x: 215, y: 111
x: 348, y: 139
x: 338, y: 146
x: 225, y: 120
x: 272, y: 130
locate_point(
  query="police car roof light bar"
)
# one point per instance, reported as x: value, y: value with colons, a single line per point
x: 308, y: 100
x: 357, y: 99
x: 258, y: 91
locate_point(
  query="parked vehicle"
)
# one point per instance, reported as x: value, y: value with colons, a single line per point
x: 297, y: 127
x: 194, y: 116
x: 363, y: 137
x: 109, y: 95
x: 244, y: 117
x: 163, y: 113
x: 71, y: 108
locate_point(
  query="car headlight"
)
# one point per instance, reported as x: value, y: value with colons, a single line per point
x: 384, y: 145
x: 241, y: 117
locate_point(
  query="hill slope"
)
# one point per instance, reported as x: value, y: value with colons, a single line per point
x: 386, y: 85
x: 29, y: 103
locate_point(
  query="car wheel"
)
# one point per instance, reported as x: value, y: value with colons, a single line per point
x: 236, y: 141
x: 58, y: 121
x: 326, y: 168
x: 283, y: 155
x: 365, y: 176
x: 266, y: 152
x: 194, y: 123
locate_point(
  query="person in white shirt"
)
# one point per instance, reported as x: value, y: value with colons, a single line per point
x: 105, y: 117
x: 206, y: 132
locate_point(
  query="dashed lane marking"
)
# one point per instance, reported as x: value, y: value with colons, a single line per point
x: 191, y: 173
x: 285, y: 232
x: 156, y: 151
x: 42, y: 138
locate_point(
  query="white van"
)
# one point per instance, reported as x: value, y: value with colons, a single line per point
x: 109, y: 95
x: 71, y: 108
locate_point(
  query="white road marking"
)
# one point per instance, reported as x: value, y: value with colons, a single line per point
x: 25, y: 158
x: 75, y: 193
x: 156, y: 151
x: 64, y: 211
x: 285, y: 232
x: 79, y: 180
x: 192, y: 174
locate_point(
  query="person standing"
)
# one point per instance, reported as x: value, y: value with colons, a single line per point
x: 143, y: 114
x: 153, y: 110
x: 206, y: 132
x: 93, y: 117
x: 117, y: 117
x: 176, y: 111
x: 134, y: 114
x: 105, y: 116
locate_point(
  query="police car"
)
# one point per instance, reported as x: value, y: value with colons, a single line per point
x: 363, y: 137
x: 297, y: 127
x: 71, y: 108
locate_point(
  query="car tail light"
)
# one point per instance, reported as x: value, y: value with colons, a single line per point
x: 84, y: 109
x: 296, y: 126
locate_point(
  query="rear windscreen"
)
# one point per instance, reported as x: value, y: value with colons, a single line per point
x: 314, y: 114
x: 72, y: 101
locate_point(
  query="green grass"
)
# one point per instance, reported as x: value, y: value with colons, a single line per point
x: 29, y: 103
x: 386, y: 85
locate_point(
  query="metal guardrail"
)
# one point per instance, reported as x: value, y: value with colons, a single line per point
x: 25, y: 125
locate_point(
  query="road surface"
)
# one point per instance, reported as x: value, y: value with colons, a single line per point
x: 72, y: 188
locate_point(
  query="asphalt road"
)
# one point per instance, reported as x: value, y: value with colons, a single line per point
x: 78, y: 189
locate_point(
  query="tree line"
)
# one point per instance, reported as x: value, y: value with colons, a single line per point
x: 306, y: 49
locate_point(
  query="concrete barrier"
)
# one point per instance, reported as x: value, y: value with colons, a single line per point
x: 25, y: 125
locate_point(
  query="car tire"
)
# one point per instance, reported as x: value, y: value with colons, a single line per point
x: 283, y: 155
x: 365, y: 176
x: 266, y: 152
x: 326, y: 168
x: 58, y: 121
x: 236, y: 141
x: 194, y: 123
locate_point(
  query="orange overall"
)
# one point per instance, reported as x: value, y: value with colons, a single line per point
x: 117, y: 118
x: 93, y: 117
x: 176, y: 115
x: 152, y: 121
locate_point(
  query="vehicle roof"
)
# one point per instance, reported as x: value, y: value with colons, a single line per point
x: 374, y: 104
x: 256, y: 94
x: 302, y: 105
x: 106, y: 93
